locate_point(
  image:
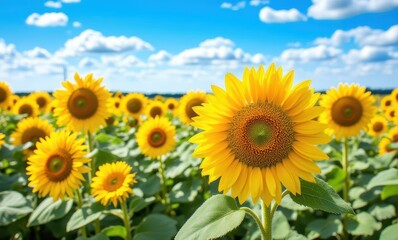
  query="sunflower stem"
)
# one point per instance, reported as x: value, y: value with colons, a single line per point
x: 92, y: 162
x: 126, y: 220
x: 266, y: 219
x: 80, y: 205
x: 275, y: 206
x: 257, y: 219
x: 346, y: 187
x: 163, y: 180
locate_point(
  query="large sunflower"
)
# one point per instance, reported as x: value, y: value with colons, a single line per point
x: 42, y: 99
x: 156, y: 137
x: 187, y: 102
x: 377, y: 126
x: 82, y: 107
x: 57, y: 166
x: 385, y: 142
x: 5, y: 95
x: 134, y: 104
x: 348, y: 109
x: 113, y: 183
x: 26, y: 106
x: 156, y: 108
x: 31, y: 130
x: 259, y: 134
x: 386, y: 102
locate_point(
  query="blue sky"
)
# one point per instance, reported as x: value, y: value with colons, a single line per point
x: 175, y: 46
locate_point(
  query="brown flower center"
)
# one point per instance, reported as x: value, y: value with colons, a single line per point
x: 59, y: 166
x: 192, y: 103
x: 113, y: 182
x: 155, y: 111
x: 171, y: 106
x: 26, y: 109
x: 395, y: 138
x: 33, y: 135
x: 388, y: 103
x: 133, y: 122
x: 3, y: 95
x: 392, y: 113
x: 377, y: 127
x: 157, y: 138
x: 347, y: 111
x: 82, y: 103
x: 41, y: 101
x: 117, y: 104
x: 110, y: 120
x: 261, y: 135
x: 134, y: 105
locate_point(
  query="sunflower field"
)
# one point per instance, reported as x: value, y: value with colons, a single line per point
x: 261, y: 158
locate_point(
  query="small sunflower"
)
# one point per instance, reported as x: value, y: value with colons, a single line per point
x: 394, y: 96
x: 187, y: 102
x: 43, y: 99
x: 377, y: 126
x: 156, y: 108
x: 13, y: 101
x: 385, y: 142
x: 2, y: 141
x: 82, y: 107
x: 113, y: 183
x: 118, y: 94
x: 159, y: 98
x: 57, y: 166
x: 134, y: 104
x: 348, y: 109
x: 31, y: 130
x: 260, y: 134
x: 156, y: 137
x: 132, y: 122
x: 26, y: 106
x: 172, y: 105
x: 5, y: 95
x: 390, y: 113
x: 114, y: 106
x: 386, y: 102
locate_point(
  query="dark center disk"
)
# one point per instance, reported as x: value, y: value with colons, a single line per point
x: 3, y: 95
x: 26, y: 109
x: 347, y: 111
x: 134, y: 105
x: 82, y: 103
x: 157, y: 138
x: 155, y: 111
x: 59, y: 166
x: 33, y: 135
x: 377, y: 126
x: 41, y: 101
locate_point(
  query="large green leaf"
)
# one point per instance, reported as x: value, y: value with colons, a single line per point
x: 382, y: 211
x: 149, y: 186
x: 156, y: 226
x: 49, y: 210
x: 325, y: 228
x: 139, y: 203
x: 115, y: 231
x: 12, y: 182
x: 279, y: 226
x: 335, y: 178
x: 386, y: 177
x: 13, y: 206
x: 363, y: 224
x: 320, y: 195
x: 84, y: 216
x: 185, y: 191
x: 215, y: 218
x: 389, y: 233
x: 389, y: 191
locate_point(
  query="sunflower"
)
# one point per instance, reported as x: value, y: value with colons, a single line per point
x: 390, y: 113
x: 156, y: 108
x: 172, y: 105
x: 156, y: 137
x: 159, y: 98
x: 82, y: 107
x: 13, y: 101
x: 348, y: 109
x: 26, y: 106
x: 132, y: 122
x: 385, y: 142
x: 2, y: 136
x: 42, y: 99
x: 187, y: 102
x: 377, y: 126
x: 118, y: 94
x: 113, y: 183
x: 114, y: 106
x: 259, y: 134
x: 5, y: 95
x: 57, y: 166
x: 134, y: 104
x: 394, y: 96
x: 386, y: 102
x: 31, y: 129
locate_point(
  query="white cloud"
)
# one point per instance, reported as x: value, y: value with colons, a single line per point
x: 236, y: 7
x: 52, y: 19
x: 269, y: 15
x: 37, y: 52
x: 369, y: 54
x: 122, y: 61
x: 160, y: 57
x: 76, y: 24
x: 7, y: 50
x: 70, y: 1
x: 339, y: 9
x: 88, y: 63
x: 258, y: 2
x: 90, y: 41
x: 53, y: 4
x: 304, y: 55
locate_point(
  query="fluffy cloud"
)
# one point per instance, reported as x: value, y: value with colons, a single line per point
x: 70, y: 1
x: 6, y: 50
x: 304, y: 55
x: 52, y: 4
x: 369, y: 54
x: 121, y: 61
x: 76, y: 24
x: 236, y: 7
x: 339, y: 9
x: 258, y: 2
x: 88, y: 63
x: 269, y: 15
x: 91, y: 41
x: 52, y: 19
x: 160, y: 57
x: 37, y: 52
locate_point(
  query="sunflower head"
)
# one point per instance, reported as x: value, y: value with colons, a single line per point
x: 82, y: 106
x: 5, y: 95
x: 259, y: 134
x: 394, y: 96
x: 57, y: 166
x: 188, y: 102
x: 156, y: 137
x: 43, y: 100
x: 386, y: 102
x: 172, y: 105
x: 114, y: 106
x: 133, y: 104
x: 392, y: 137
x: 377, y: 126
x: 112, y: 183
x: 390, y: 113
x: 26, y: 106
x: 132, y: 122
x: 156, y: 108
x: 348, y: 109
x: 159, y: 98
x: 2, y: 141
x: 118, y: 94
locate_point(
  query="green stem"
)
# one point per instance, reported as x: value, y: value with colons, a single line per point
x: 346, y: 171
x: 92, y: 162
x: 258, y: 221
x: 266, y: 218
x: 126, y: 220
x: 275, y: 206
x: 80, y: 205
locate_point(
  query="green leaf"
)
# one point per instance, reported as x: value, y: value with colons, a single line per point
x: 335, y: 178
x: 138, y: 203
x: 382, y: 211
x: 362, y: 224
x: 382, y: 161
x: 325, y: 228
x: 115, y: 212
x: 293, y: 235
x: 320, y: 195
x: 389, y: 233
x: 389, y: 191
x: 279, y: 226
x: 13, y: 206
x: 215, y: 218
x: 150, y: 186
x: 12, y: 182
x: 156, y: 226
x: 84, y: 216
x: 386, y: 177
x: 115, y: 231
x: 185, y: 191
x: 49, y: 210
